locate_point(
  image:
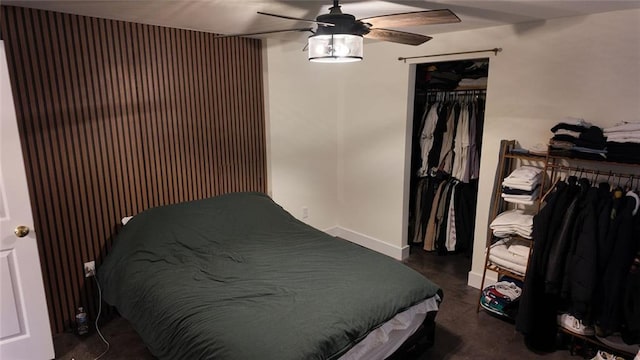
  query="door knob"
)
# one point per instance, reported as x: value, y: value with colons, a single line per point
x: 21, y: 231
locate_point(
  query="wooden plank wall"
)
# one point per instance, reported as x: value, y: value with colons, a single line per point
x: 116, y: 117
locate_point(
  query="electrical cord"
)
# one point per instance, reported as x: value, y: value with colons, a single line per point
x: 98, y: 317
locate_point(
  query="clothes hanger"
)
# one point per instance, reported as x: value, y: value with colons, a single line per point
x: 594, y: 177
x: 629, y: 185
x: 617, y: 191
x: 634, y: 195
x: 557, y: 179
x: 583, y: 182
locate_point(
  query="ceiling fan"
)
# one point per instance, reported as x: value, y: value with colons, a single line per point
x: 338, y: 36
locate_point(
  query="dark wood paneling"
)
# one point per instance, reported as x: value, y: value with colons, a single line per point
x: 117, y: 117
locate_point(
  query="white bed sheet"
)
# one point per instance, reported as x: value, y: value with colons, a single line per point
x: 383, y: 341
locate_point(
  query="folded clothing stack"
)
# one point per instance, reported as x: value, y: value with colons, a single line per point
x: 623, y: 142
x: 512, y: 222
x: 510, y: 254
x: 575, y: 137
x: 502, y: 297
x: 537, y: 149
x: 522, y: 185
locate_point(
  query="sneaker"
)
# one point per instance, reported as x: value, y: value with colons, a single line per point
x: 575, y: 325
x: 602, y: 355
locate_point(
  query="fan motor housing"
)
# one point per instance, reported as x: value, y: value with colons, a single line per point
x: 343, y: 24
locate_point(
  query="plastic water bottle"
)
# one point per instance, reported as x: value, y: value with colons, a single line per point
x: 82, y: 322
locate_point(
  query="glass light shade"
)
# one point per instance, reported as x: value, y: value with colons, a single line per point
x: 335, y: 48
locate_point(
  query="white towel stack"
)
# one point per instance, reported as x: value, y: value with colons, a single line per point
x: 526, y: 199
x: 513, y: 222
x: 623, y: 132
x: 510, y: 254
x: 525, y: 178
x: 623, y: 142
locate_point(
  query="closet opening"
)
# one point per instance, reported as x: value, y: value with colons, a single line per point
x: 446, y: 145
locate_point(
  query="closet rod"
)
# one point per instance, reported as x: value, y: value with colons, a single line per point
x: 596, y: 172
x: 494, y: 50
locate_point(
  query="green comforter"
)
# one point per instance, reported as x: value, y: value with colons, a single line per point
x: 238, y: 277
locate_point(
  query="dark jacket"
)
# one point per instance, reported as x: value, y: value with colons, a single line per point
x: 614, y: 279
x: 562, y: 240
x: 582, y: 275
x: 631, y: 327
x: 536, y: 318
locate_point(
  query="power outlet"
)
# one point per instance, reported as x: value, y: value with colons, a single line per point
x: 90, y: 269
x: 305, y: 212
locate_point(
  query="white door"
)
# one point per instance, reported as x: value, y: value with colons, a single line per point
x: 25, y: 332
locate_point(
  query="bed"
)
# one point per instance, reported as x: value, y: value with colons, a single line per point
x: 237, y: 277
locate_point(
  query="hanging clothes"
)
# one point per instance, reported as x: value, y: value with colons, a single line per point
x: 426, y: 136
x: 446, y: 152
x: 449, y: 161
x: 461, y: 145
x: 475, y: 132
x: 585, y: 241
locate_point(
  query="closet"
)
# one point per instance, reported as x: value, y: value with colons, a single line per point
x: 446, y: 147
x: 580, y: 277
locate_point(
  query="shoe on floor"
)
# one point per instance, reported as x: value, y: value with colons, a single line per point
x: 602, y: 355
x: 574, y: 325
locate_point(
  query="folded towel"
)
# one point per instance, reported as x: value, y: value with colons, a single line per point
x: 507, y: 234
x: 521, y: 250
x: 511, y: 191
x: 532, y: 196
x: 513, y: 217
x: 624, y: 137
x: 623, y: 127
x: 508, y: 265
x: 525, y: 172
x: 503, y: 253
x: 527, y: 186
x: 512, y: 227
x: 523, y: 178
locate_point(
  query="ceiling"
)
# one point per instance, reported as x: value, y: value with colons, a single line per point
x: 239, y: 16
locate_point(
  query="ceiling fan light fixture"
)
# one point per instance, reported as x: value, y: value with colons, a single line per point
x: 335, y: 48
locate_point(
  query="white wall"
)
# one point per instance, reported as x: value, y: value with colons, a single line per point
x: 580, y: 66
x: 302, y: 134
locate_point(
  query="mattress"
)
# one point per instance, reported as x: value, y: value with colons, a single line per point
x: 386, y: 339
x: 237, y: 277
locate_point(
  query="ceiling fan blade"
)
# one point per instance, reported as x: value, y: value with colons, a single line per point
x: 396, y: 36
x: 263, y: 32
x: 414, y: 18
x: 297, y: 19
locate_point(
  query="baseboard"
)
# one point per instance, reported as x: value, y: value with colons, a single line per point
x: 333, y: 231
x: 398, y: 253
x: 475, y: 279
